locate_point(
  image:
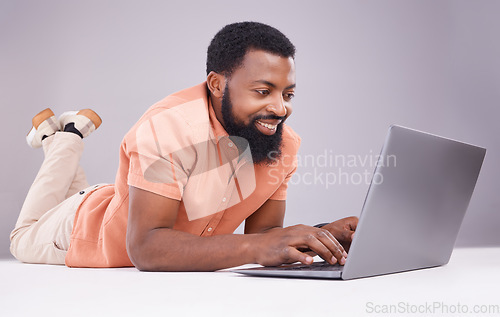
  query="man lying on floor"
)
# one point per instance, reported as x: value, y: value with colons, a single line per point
x: 193, y: 168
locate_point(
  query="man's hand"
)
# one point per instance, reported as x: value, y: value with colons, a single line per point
x: 280, y: 245
x: 343, y: 230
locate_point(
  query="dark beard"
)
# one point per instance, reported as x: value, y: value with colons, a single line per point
x: 265, y: 149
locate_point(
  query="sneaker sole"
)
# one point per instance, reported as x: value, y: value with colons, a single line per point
x: 41, y: 117
x: 94, y: 117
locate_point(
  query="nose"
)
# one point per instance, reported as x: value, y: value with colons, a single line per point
x: 278, y: 107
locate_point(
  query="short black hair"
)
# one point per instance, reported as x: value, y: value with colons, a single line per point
x: 229, y: 46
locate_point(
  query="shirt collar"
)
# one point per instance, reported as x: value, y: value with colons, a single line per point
x: 218, y: 130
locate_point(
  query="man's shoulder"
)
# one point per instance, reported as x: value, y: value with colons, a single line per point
x: 182, y: 97
x: 176, y: 116
x: 188, y: 106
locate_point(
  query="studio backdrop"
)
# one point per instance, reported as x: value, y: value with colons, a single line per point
x: 361, y: 66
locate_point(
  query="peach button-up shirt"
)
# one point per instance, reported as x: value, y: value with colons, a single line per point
x: 178, y: 149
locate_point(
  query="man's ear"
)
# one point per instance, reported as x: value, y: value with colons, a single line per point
x: 216, y: 83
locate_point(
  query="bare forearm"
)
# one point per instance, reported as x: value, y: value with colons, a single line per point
x: 171, y: 250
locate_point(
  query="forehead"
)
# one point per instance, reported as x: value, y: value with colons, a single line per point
x: 260, y: 65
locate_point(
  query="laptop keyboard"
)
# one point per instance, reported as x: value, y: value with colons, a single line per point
x: 316, y: 266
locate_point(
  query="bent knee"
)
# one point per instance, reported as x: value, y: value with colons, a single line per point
x: 39, y: 254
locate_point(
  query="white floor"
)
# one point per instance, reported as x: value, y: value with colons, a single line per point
x: 44, y: 290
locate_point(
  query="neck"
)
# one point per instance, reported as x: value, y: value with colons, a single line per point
x: 217, y: 106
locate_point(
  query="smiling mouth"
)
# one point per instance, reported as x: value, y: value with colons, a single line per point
x: 271, y: 127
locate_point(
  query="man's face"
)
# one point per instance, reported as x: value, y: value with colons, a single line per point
x: 257, y: 100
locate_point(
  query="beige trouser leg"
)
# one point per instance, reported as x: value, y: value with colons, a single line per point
x: 44, y: 226
x: 79, y: 181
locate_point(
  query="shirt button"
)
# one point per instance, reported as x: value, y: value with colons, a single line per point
x: 230, y: 144
x: 224, y: 199
x: 209, y: 229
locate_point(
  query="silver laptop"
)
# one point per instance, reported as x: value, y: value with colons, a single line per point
x: 412, y: 213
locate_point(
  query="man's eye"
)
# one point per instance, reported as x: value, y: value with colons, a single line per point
x: 263, y: 92
x: 289, y: 96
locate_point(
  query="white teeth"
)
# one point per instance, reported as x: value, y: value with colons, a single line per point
x: 269, y: 126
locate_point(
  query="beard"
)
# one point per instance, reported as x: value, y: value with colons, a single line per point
x: 265, y: 149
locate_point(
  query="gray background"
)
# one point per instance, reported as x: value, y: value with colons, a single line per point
x: 361, y: 66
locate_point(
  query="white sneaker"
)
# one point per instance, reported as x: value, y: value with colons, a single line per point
x: 44, y: 124
x: 85, y: 121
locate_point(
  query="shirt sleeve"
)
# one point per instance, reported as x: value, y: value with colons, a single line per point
x: 289, y: 160
x: 280, y: 193
x: 160, y: 155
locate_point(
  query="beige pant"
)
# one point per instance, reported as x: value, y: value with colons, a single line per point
x: 43, y: 230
